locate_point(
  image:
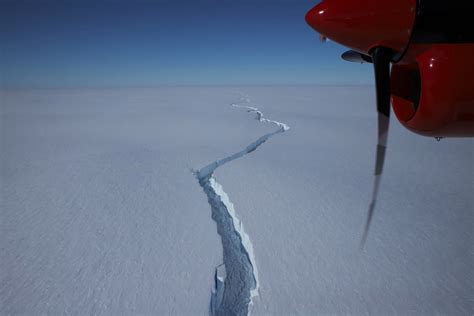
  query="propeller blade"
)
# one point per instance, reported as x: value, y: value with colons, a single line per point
x: 356, y: 57
x: 381, y: 58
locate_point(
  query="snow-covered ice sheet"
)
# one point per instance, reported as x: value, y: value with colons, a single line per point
x: 304, y: 199
x: 102, y: 214
x: 100, y: 210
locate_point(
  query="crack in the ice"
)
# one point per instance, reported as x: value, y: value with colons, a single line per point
x: 236, y: 280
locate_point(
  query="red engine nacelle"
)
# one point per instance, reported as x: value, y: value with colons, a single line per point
x: 363, y: 25
x: 432, y: 77
x: 432, y: 89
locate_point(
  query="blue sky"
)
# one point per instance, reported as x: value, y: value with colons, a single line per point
x: 145, y: 43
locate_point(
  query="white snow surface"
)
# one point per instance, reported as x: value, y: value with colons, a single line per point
x: 101, y: 214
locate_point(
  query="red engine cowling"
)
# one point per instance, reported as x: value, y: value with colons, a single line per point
x: 363, y: 25
x: 433, y: 89
x: 432, y: 77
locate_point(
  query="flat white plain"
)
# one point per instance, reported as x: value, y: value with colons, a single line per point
x: 102, y: 214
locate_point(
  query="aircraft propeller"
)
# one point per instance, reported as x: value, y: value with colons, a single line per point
x: 380, y: 58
